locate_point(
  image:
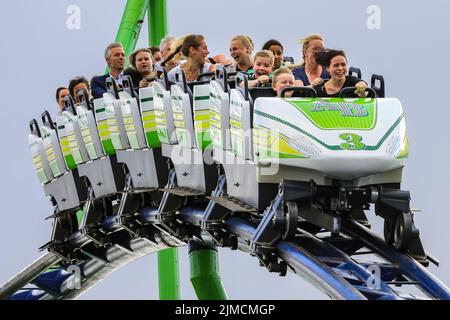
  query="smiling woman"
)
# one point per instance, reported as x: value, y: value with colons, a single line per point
x: 335, y: 62
x: 194, y: 47
x: 241, y: 49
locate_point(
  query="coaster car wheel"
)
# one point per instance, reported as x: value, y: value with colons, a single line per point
x: 291, y: 225
x: 403, y: 230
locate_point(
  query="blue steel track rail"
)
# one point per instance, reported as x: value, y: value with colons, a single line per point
x: 329, y: 262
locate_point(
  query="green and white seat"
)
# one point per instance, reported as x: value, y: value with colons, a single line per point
x: 105, y: 174
x: 193, y: 173
x: 245, y: 192
x: 88, y: 127
x: 202, y: 115
x: 220, y: 111
x: 52, y: 147
x: 114, y: 118
x: 40, y: 161
x: 241, y: 115
x: 182, y: 115
x: 66, y: 188
x: 163, y: 111
x: 103, y: 123
x: 146, y: 167
x: 131, y: 116
x: 70, y: 137
x: 149, y: 117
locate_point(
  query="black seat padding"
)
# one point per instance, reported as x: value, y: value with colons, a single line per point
x: 380, y: 88
x: 356, y: 72
x: 288, y: 59
x: 232, y: 84
x: 261, y: 93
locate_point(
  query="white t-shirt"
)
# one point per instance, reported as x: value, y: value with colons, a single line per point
x: 174, y: 71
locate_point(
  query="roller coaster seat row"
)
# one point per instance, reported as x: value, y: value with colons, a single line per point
x: 217, y: 147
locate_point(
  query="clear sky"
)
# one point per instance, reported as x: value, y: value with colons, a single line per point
x: 409, y: 45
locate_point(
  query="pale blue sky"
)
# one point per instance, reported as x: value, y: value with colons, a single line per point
x: 39, y: 54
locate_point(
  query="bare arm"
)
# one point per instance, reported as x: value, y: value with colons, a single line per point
x: 261, y: 80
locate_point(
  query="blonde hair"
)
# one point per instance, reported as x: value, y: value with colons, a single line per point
x: 305, y: 44
x: 277, y: 73
x: 265, y: 54
x: 175, y: 47
x: 245, y: 40
x: 164, y: 41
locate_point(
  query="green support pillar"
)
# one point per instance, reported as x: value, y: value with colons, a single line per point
x: 157, y: 21
x: 168, y: 275
x: 205, y: 278
x: 130, y: 26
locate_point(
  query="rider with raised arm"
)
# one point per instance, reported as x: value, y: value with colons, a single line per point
x: 310, y: 72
